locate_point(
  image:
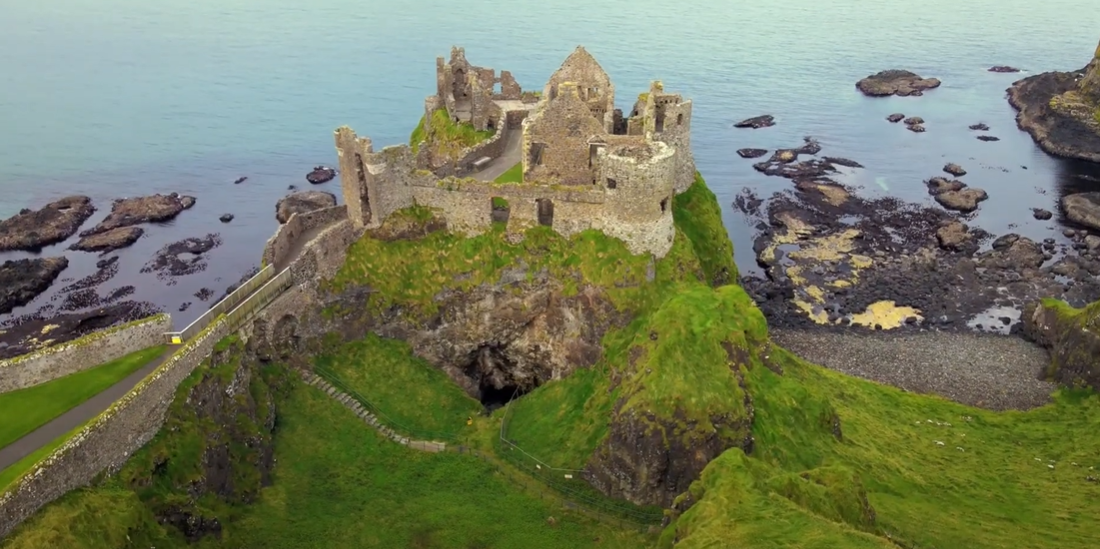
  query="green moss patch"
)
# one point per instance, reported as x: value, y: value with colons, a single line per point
x: 513, y: 175
x: 409, y: 395
x: 27, y: 409
x: 699, y: 216
x: 444, y: 136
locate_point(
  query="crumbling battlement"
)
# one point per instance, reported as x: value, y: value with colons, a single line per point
x: 584, y: 166
x: 469, y: 92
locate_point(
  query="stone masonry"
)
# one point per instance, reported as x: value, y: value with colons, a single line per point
x: 584, y: 166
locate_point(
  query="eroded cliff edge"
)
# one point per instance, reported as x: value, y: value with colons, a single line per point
x: 1061, y: 110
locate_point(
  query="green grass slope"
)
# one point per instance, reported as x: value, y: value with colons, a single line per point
x: 27, y: 409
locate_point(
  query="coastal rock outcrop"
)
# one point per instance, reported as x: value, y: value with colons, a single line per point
x: 32, y: 230
x: 895, y: 82
x: 1071, y: 335
x: 1083, y: 208
x: 110, y: 240
x: 128, y: 212
x: 302, y: 202
x: 1003, y: 69
x: 21, y: 280
x: 1061, y: 110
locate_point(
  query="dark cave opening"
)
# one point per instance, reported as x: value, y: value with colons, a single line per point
x: 496, y: 377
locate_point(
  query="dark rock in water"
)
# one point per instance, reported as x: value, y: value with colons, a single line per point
x: 1003, y: 68
x: 240, y: 180
x: 895, y: 82
x: 143, y: 209
x: 31, y: 230
x: 22, y: 280
x: 291, y: 187
x: 226, y: 218
x: 204, y: 294
x: 184, y: 306
x: 847, y: 163
x: 756, y: 122
x: 895, y: 118
x: 320, y: 174
x: 964, y: 200
x: 988, y: 138
x: 751, y: 153
x: 980, y: 126
x: 302, y: 202
x: 1083, y: 208
x: 1058, y: 110
x: 939, y: 185
x: 181, y: 258
x: 914, y: 120
x: 954, y: 169
x: 915, y: 128
x: 109, y: 240
x: 1041, y: 214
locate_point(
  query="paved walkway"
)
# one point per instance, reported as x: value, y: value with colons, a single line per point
x: 512, y: 156
x: 89, y: 409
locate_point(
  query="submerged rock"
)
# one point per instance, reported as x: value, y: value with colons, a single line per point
x: 895, y: 118
x: 22, y: 280
x: 320, y: 174
x: 1041, y: 214
x: 988, y: 138
x: 895, y: 82
x: 31, y: 230
x: 143, y: 209
x: 226, y: 218
x: 109, y: 240
x: 751, y: 153
x: 1003, y: 68
x: 980, y: 126
x: 756, y: 122
x: 1083, y: 208
x: 302, y: 202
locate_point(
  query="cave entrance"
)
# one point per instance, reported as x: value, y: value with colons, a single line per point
x: 499, y: 380
x: 493, y: 398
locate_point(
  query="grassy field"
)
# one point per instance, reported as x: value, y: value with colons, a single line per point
x: 513, y: 175
x: 445, y: 136
x: 408, y: 394
x: 339, y: 484
x: 27, y: 409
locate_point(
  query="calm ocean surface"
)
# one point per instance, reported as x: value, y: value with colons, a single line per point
x: 125, y: 97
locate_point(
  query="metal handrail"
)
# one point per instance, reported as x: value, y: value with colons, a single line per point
x: 236, y: 297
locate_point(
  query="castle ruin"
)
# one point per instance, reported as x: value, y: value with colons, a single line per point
x: 584, y: 165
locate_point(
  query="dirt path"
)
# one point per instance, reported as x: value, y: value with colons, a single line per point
x: 983, y: 370
x: 504, y: 162
x: 89, y: 409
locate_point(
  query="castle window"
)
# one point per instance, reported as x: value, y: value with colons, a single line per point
x: 546, y: 212
x: 660, y: 124
x: 664, y: 205
x: 536, y: 154
x: 680, y: 119
x: 611, y: 183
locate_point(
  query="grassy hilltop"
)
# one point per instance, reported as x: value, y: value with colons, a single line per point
x: 835, y: 461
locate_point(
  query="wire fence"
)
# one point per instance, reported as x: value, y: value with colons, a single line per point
x: 569, y: 484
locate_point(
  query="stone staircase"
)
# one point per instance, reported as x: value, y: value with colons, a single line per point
x: 370, y: 419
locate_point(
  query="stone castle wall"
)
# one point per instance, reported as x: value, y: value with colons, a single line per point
x: 80, y: 354
x: 108, y: 440
x: 281, y: 245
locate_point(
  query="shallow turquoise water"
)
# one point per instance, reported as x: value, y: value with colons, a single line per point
x: 125, y: 97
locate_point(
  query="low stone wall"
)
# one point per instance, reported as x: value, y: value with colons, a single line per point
x: 280, y: 246
x: 108, y: 440
x: 80, y: 354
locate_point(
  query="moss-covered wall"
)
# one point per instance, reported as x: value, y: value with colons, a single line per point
x: 80, y: 354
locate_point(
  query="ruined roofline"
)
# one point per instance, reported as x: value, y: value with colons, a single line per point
x: 655, y: 152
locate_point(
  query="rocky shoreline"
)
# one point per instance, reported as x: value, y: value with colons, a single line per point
x: 78, y: 307
x: 836, y: 261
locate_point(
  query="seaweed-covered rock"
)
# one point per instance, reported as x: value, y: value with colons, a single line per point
x: 22, y: 280
x: 34, y: 229
x: 142, y: 209
x: 107, y: 241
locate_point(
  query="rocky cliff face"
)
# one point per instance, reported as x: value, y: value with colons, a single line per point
x: 215, y: 449
x: 1073, y: 338
x: 1061, y: 110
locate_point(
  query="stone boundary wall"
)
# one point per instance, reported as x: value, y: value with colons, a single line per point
x: 108, y: 440
x: 80, y: 354
x: 281, y: 244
